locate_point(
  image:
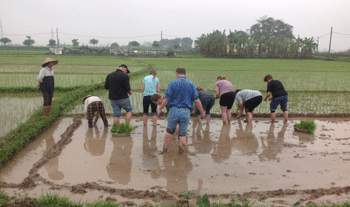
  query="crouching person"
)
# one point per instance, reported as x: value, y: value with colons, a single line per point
x: 207, y: 100
x: 248, y: 100
x: 93, y: 107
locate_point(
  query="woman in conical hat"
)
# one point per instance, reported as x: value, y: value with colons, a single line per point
x: 47, y: 83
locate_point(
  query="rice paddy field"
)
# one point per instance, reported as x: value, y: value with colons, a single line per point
x: 218, y: 155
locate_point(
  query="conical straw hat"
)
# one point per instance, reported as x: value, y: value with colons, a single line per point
x: 49, y: 60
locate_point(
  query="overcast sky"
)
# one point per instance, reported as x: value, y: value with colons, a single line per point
x: 125, y: 20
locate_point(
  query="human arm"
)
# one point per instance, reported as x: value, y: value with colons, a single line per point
x: 127, y: 85
x: 240, y: 110
x: 40, y: 76
x: 107, y: 82
x: 217, y: 92
x: 268, y: 96
x: 199, y: 106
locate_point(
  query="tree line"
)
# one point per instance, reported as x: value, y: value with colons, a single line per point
x: 269, y: 37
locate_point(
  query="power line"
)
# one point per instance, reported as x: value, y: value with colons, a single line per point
x: 339, y: 33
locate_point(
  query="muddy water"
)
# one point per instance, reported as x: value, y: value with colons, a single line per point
x: 236, y: 158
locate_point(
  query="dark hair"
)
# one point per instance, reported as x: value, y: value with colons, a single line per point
x: 155, y: 98
x: 181, y: 71
x: 221, y: 77
x: 86, y: 98
x: 199, y: 88
x: 123, y: 66
x: 267, y: 77
x: 153, y: 71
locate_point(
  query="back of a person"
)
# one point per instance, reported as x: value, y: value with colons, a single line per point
x: 224, y: 86
x: 117, y: 85
x: 183, y: 95
x: 276, y: 88
x: 204, y: 96
x: 150, y: 84
x: 247, y: 94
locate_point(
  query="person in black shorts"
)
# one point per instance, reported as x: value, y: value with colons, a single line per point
x: 248, y: 100
x: 226, y: 92
x: 278, y: 96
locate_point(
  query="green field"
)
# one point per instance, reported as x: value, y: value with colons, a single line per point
x: 315, y: 86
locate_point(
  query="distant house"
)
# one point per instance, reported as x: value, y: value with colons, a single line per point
x: 56, y: 50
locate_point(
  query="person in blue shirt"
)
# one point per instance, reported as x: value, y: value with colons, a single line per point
x: 207, y: 100
x: 150, y: 86
x: 180, y: 96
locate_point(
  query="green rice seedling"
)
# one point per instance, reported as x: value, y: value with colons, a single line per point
x: 3, y: 199
x: 121, y: 128
x: 203, y: 201
x: 307, y: 126
x: 55, y: 201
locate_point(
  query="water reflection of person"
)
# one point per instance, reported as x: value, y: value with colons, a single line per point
x: 176, y: 169
x: 246, y: 141
x: 201, y: 137
x: 149, y: 147
x: 119, y: 167
x: 95, y: 143
x: 222, y: 149
x: 52, y: 165
x: 271, y: 145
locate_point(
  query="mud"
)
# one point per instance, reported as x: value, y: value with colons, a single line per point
x: 264, y: 162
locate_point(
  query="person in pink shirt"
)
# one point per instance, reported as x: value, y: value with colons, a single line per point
x: 226, y: 92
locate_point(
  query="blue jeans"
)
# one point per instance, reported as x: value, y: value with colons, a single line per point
x: 179, y: 116
x: 118, y: 105
x: 282, y: 101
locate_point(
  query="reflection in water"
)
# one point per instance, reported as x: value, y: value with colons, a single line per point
x: 95, y: 143
x: 222, y: 149
x: 150, y: 159
x: 119, y: 167
x: 176, y: 168
x: 52, y: 165
x: 271, y: 145
x: 201, y: 138
x: 246, y: 141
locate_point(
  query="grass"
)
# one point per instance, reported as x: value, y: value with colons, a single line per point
x: 308, y: 126
x: 121, y: 128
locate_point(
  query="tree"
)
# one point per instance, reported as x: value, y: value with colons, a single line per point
x: 114, y: 45
x: 155, y: 44
x: 52, y: 43
x: 5, y: 40
x: 93, y: 41
x: 186, y: 43
x: 134, y: 44
x: 28, y: 42
x: 75, y: 42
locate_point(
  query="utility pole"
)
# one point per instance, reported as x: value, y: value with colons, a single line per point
x: 58, y: 41
x: 318, y: 43
x: 1, y: 30
x: 161, y: 35
x: 330, y: 43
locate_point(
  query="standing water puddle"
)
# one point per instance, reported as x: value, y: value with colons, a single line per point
x: 220, y: 159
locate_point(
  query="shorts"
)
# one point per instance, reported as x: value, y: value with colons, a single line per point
x: 179, y: 116
x: 118, y: 105
x: 252, y: 103
x: 207, y: 106
x: 147, y: 102
x: 47, y: 97
x: 227, y: 99
x: 282, y: 101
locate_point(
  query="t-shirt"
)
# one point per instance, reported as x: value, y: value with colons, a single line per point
x: 150, y: 83
x: 246, y: 94
x: 45, y: 72
x: 90, y: 100
x: 206, y: 98
x: 224, y: 86
x: 181, y: 93
x: 276, y: 88
x: 118, y: 85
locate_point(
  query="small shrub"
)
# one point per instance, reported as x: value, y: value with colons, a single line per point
x: 3, y: 199
x: 121, y: 128
x: 307, y: 126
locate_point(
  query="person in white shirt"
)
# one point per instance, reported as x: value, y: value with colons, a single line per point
x: 93, y: 106
x: 248, y: 99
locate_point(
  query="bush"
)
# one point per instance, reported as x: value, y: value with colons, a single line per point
x: 307, y: 126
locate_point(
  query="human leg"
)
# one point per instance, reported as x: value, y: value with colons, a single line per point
x: 116, y: 111
x: 146, y: 104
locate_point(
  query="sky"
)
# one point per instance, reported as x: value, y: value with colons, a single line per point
x: 143, y: 20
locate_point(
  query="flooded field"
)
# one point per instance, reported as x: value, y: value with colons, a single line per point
x: 265, y: 162
x: 15, y: 110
